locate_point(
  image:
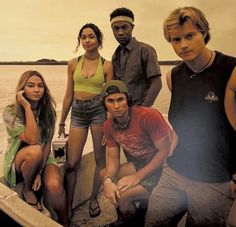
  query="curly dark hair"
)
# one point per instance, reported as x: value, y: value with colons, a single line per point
x: 122, y: 12
x: 96, y: 30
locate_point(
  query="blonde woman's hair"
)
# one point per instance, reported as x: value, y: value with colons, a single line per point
x: 46, y: 112
x: 180, y: 15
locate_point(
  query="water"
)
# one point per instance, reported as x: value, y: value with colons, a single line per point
x: 56, y: 79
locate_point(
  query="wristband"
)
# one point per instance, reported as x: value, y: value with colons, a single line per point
x: 113, y: 180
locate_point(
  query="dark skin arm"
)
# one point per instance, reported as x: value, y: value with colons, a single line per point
x: 153, y: 91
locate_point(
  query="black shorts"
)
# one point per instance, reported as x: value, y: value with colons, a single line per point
x: 150, y: 181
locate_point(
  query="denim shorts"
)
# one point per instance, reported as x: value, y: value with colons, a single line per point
x: 85, y: 113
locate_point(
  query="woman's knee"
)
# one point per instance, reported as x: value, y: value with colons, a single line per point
x: 34, y: 153
x: 54, y: 185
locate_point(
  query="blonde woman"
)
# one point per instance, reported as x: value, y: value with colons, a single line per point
x: 30, y: 123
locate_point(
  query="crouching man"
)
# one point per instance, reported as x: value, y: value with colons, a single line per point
x: 145, y: 138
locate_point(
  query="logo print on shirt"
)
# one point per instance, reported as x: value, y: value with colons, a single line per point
x: 211, y: 97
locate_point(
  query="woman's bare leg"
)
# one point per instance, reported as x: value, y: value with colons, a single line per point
x: 27, y: 162
x: 100, y: 159
x: 55, y: 192
x: 76, y: 142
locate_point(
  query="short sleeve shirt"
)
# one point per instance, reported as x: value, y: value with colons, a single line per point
x: 146, y: 126
x: 135, y: 64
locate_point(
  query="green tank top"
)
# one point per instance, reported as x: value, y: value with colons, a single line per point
x: 92, y: 84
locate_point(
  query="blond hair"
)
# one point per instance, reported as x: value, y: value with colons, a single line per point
x: 180, y: 15
x: 46, y: 107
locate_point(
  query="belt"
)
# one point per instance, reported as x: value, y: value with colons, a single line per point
x: 87, y: 100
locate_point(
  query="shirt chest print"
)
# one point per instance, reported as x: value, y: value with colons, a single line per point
x: 129, y: 143
x: 211, y: 97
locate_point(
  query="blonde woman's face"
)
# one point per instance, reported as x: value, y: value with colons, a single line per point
x: 34, y: 88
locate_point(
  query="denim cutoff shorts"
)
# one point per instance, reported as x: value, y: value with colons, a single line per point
x: 85, y: 113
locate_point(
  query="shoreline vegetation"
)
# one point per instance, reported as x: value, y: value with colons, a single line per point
x: 46, y: 61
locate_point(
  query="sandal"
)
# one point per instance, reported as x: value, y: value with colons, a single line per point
x: 36, y: 205
x: 117, y: 223
x: 94, y: 211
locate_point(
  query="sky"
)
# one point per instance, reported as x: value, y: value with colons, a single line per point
x: 36, y: 29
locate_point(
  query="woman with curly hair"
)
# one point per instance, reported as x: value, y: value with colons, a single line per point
x: 86, y: 76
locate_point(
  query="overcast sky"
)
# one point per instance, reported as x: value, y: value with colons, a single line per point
x: 35, y: 29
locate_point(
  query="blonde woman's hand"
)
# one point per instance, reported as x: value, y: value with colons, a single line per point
x: 21, y: 98
x: 37, y: 183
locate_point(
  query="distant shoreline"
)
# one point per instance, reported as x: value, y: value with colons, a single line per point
x: 54, y: 62
x: 39, y: 62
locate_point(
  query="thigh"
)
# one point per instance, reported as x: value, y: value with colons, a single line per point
x: 76, y: 142
x: 168, y: 202
x: 28, y: 151
x: 208, y: 203
x: 135, y: 193
x: 126, y: 169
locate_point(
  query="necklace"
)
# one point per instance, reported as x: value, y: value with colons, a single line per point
x: 91, y: 59
x: 122, y: 125
x: 202, y: 68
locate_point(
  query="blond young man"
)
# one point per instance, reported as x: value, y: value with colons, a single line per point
x: 196, y: 178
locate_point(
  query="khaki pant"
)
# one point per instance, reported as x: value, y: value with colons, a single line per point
x: 206, y: 204
x: 232, y: 215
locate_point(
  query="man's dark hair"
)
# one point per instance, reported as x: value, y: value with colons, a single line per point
x: 122, y: 12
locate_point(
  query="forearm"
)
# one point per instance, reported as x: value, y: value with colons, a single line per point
x: 163, y: 147
x: 156, y: 162
x: 110, y: 171
x: 65, y: 108
x: 113, y: 164
x: 31, y: 133
x: 153, y: 91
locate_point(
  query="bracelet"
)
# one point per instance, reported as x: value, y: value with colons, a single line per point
x: 40, y: 172
x: 113, y: 180
x: 62, y: 124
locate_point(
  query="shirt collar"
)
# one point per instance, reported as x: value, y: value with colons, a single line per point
x: 129, y: 46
